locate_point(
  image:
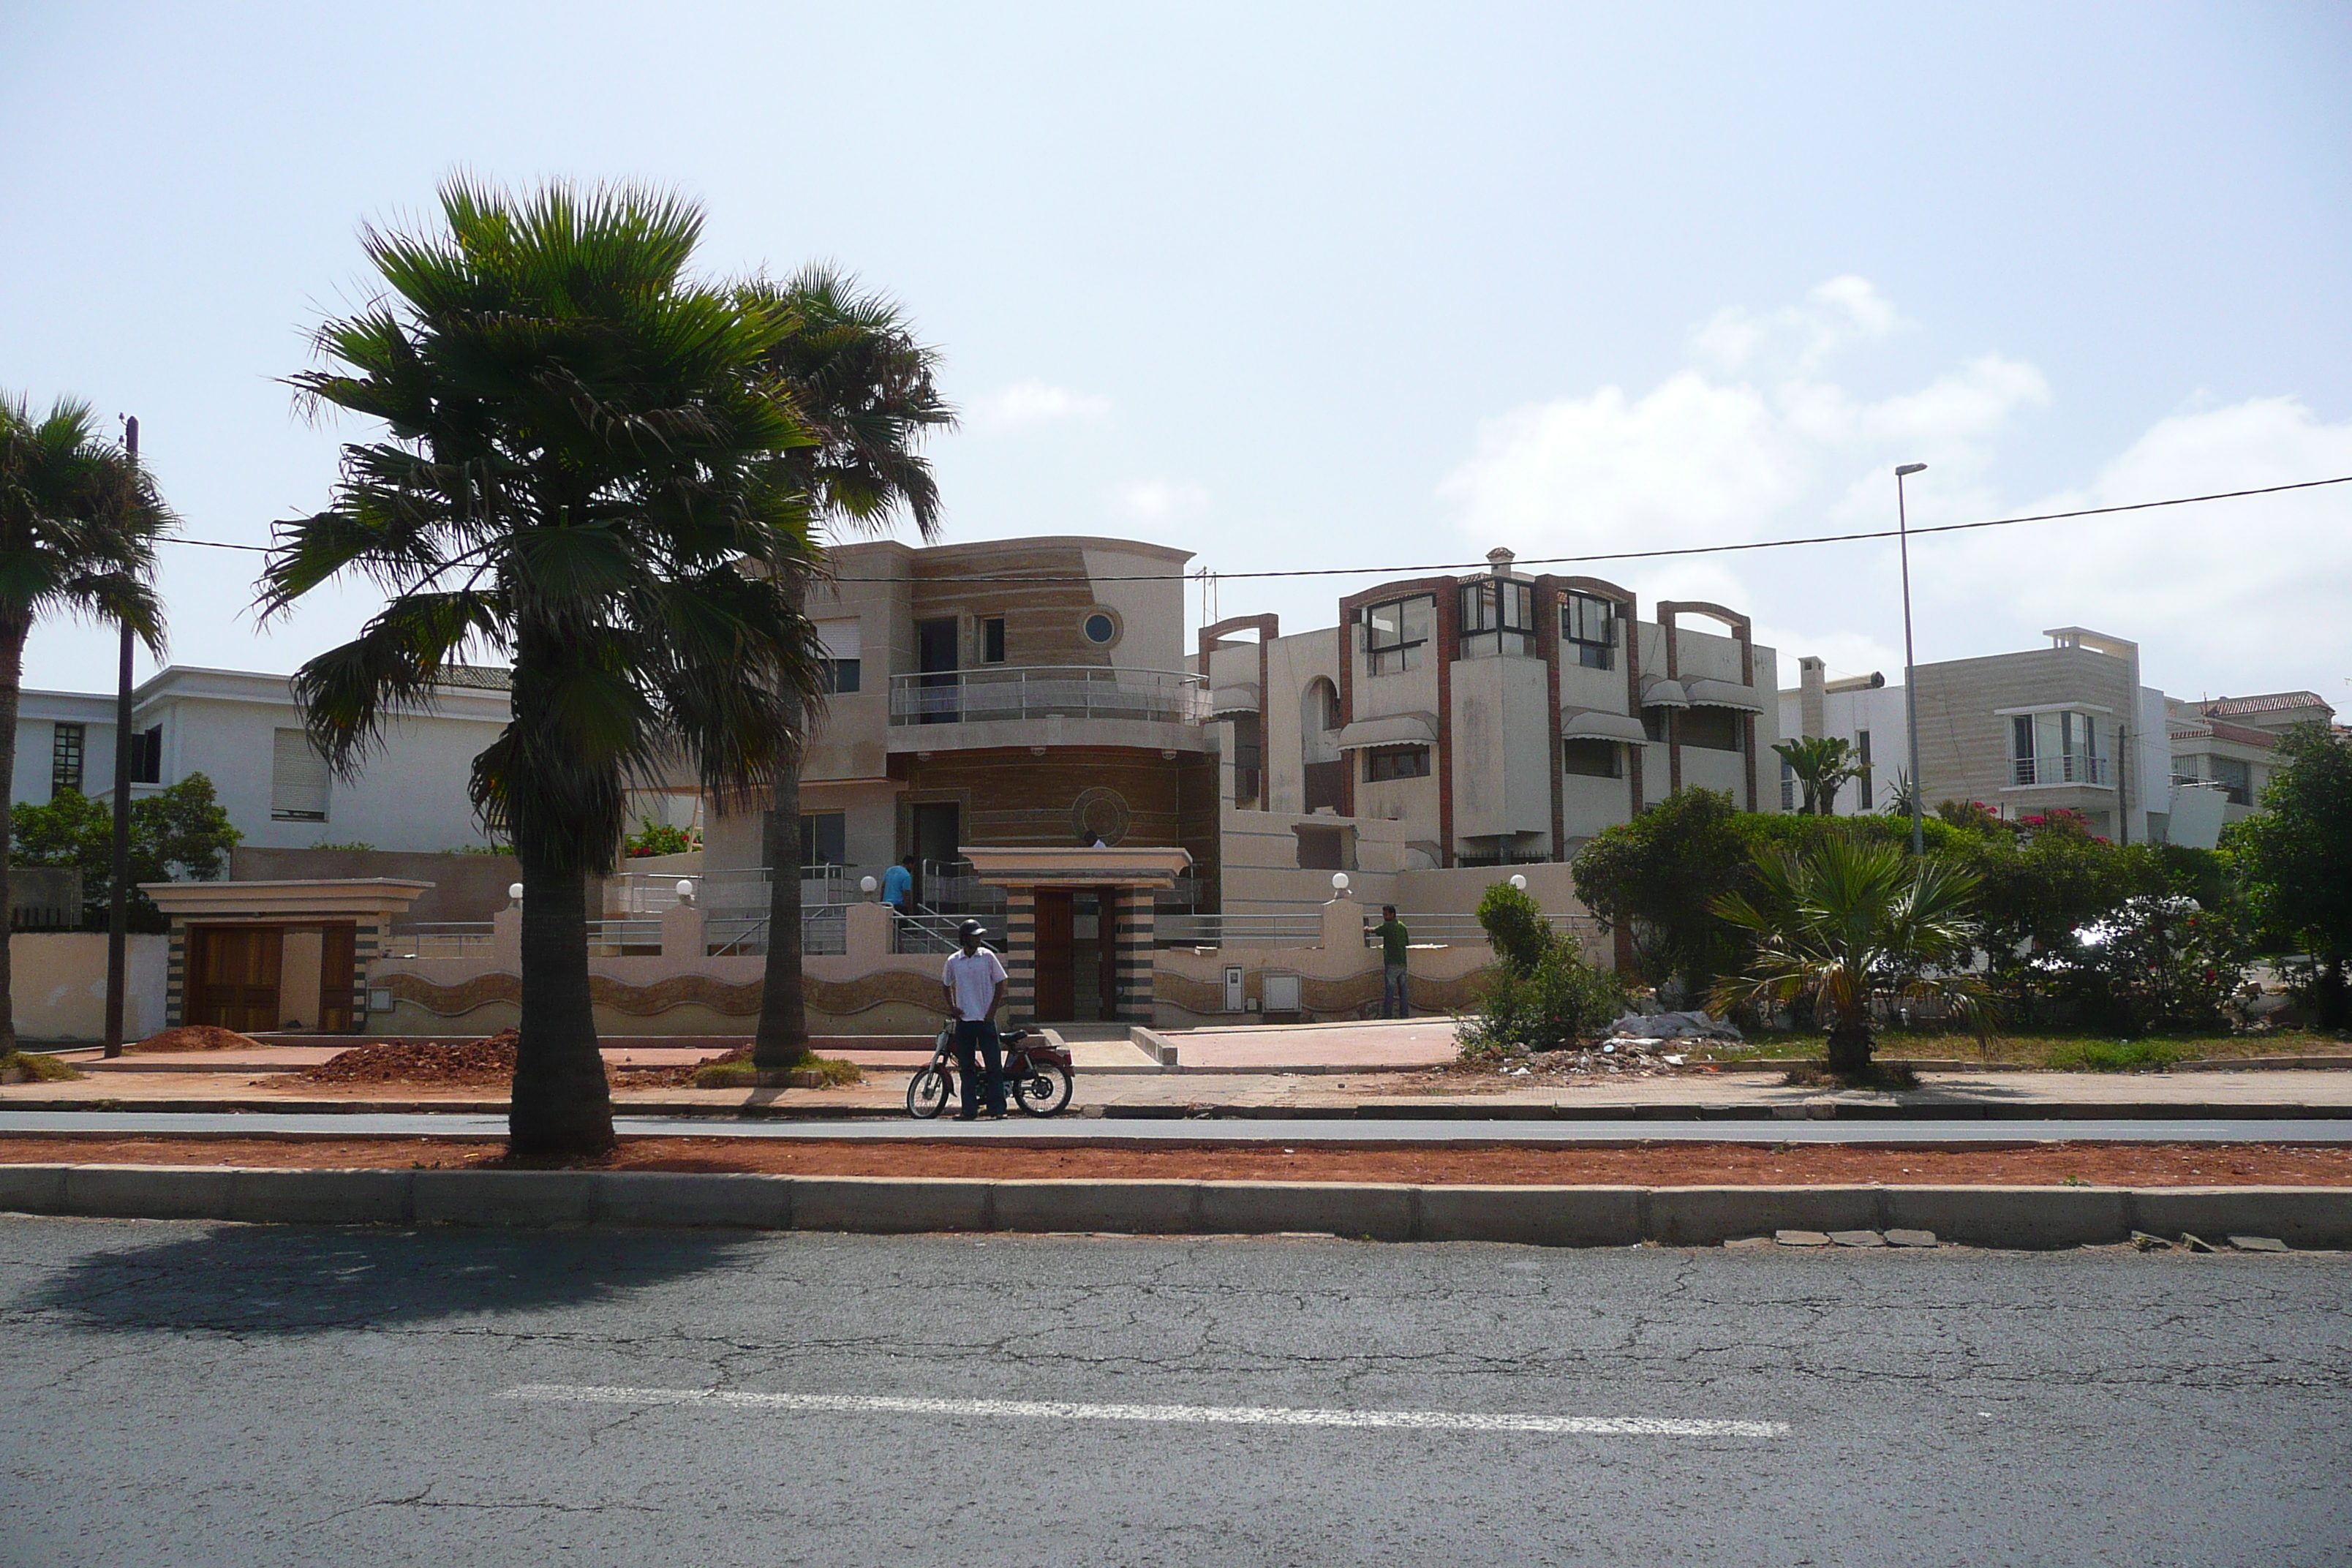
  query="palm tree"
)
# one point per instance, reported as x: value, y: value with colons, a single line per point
x: 584, y: 472
x: 864, y: 388
x: 1823, y: 764
x: 79, y: 522
x: 1845, y: 921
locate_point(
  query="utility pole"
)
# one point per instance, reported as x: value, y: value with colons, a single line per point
x: 119, y: 909
x: 1910, y: 670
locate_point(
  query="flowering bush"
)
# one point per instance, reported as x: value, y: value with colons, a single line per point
x: 658, y: 838
x: 2158, y: 962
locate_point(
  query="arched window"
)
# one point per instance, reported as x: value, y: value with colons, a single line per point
x: 1319, y: 744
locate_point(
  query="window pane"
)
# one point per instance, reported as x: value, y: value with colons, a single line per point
x: 1420, y: 619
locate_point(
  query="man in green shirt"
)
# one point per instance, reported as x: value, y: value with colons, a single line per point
x: 1394, y: 941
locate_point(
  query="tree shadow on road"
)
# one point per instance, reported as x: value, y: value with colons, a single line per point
x: 300, y: 1279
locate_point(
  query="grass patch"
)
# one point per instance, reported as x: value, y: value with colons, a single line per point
x: 2118, y: 1056
x: 40, y: 1068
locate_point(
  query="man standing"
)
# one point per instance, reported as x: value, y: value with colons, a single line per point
x: 974, y: 981
x: 898, y: 885
x: 1394, y: 941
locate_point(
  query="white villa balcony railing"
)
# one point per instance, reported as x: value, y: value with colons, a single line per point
x: 2073, y: 767
x: 1036, y: 691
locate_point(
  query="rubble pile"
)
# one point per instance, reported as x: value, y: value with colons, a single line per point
x: 484, y: 1062
x: 1639, y: 1044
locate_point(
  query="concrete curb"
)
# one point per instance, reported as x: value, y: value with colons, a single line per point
x: 2033, y: 1218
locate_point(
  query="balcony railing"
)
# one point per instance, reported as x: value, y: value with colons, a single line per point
x: 1237, y: 930
x: 1038, y: 692
x: 2073, y: 767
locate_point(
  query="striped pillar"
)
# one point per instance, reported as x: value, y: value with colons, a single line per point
x: 1135, y: 953
x: 367, y: 946
x: 175, y: 977
x: 1021, y: 956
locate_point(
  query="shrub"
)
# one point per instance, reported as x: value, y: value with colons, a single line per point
x: 2158, y: 962
x: 1515, y: 924
x: 1550, y: 1006
x: 39, y: 1067
x: 2116, y: 1056
x: 657, y: 838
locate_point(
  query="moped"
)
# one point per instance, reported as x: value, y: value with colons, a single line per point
x: 1036, y: 1075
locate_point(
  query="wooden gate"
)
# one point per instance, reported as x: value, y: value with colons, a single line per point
x: 1055, y: 932
x: 233, y: 975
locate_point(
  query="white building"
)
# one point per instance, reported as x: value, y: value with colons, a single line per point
x: 242, y: 730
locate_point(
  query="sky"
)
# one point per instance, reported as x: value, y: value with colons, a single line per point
x: 1304, y: 286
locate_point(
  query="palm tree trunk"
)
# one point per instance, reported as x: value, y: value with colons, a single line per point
x: 1849, y: 1044
x: 783, y: 1039
x: 562, y: 1104
x: 13, y: 632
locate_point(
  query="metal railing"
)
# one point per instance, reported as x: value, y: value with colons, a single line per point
x: 1033, y: 691
x: 624, y: 937
x: 1465, y: 928
x: 2072, y: 767
x: 1236, y: 931
x: 824, y: 929
x: 742, y: 889
x: 440, y: 939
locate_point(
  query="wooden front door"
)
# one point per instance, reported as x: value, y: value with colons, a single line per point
x: 339, y: 998
x: 233, y: 976
x: 1055, y: 933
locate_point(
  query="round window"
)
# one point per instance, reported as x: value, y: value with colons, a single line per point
x: 1100, y: 629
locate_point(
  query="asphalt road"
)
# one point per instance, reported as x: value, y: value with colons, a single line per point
x: 1236, y: 1129
x: 192, y: 1394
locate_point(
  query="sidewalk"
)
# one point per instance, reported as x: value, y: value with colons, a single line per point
x: 1367, y: 1095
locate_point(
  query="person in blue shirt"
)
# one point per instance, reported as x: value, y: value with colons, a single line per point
x: 898, y: 885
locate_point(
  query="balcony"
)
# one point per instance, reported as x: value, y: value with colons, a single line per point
x: 2072, y: 768
x: 1018, y: 705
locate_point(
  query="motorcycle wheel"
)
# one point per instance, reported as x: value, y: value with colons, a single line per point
x: 927, y: 1094
x: 1044, y: 1090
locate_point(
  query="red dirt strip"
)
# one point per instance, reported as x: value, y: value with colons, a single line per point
x: 1648, y: 1165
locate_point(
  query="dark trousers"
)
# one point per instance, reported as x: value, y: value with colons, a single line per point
x: 1394, y: 1004
x: 977, y: 1037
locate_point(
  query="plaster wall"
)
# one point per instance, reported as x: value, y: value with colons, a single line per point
x: 57, y: 984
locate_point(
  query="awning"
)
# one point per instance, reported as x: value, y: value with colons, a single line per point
x: 1724, y: 694
x: 1603, y: 727
x: 1241, y: 697
x: 1391, y: 729
x: 1665, y: 693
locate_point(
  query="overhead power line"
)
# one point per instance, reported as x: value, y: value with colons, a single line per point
x: 1045, y: 579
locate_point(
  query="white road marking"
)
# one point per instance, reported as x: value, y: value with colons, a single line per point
x: 1195, y: 1414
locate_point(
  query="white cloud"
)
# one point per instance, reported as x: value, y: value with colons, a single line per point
x: 2223, y: 596
x: 1033, y: 402
x: 1156, y: 500
x: 1759, y: 440
x: 1797, y: 338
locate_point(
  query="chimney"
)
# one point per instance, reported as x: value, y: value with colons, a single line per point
x: 1811, y: 675
x: 1499, y: 561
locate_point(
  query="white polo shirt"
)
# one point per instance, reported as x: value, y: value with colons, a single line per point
x: 972, y: 982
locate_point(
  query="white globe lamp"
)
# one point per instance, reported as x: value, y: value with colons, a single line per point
x: 514, y: 891
x: 1338, y: 882
x: 685, y: 889
x: 1518, y: 881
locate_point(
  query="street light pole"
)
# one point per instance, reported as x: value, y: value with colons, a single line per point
x: 1910, y: 670
x: 118, y: 906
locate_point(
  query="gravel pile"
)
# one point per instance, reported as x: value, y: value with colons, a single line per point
x: 196, y: 1037
x: 484, y: 1062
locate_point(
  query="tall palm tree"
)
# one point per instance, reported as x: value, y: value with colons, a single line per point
x: 1845, y: 921
x: 78, y: 523
x: 864, y: 387
x: 586, y: 470
x: 1823, y: 764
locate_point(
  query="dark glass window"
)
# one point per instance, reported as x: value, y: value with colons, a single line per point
x: 1654, y: 723
x: 147, y: 756
x: 1498, y: 616
x: 1396, y: 633
x: 1100, y: 628
x: 1383, y: 763
x: 992, y: 640
x: 1713, y: 729
x: 1587, y: 630
x: 65, y: 750
x: 842, y: 674
x: 824, y: 838
x: 1591, y: 758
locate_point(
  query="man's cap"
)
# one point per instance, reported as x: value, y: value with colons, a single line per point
x: 971, y: 928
